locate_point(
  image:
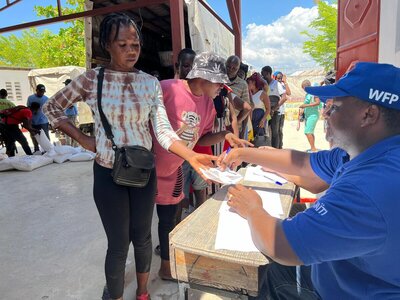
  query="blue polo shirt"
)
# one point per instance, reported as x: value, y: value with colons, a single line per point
x: 40, y: 117
x: 72, y: 111
x: 351, y: 236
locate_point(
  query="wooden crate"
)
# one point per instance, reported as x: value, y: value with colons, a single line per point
x: 194, y: 259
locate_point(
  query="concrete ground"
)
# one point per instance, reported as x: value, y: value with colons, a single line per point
x: 52, y: 243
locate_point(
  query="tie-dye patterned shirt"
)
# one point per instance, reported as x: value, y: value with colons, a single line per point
x: 129, y: 101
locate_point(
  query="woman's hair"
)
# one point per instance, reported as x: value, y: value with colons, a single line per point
x: 259, y: 82
x: 117, y: 20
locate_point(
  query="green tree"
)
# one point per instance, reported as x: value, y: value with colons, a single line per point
x: 321, y: 46
x: 45, y: 49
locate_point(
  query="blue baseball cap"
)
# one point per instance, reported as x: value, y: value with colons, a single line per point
x: 372, y: 82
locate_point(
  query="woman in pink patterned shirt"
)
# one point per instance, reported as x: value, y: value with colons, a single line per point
x: 131, y: 100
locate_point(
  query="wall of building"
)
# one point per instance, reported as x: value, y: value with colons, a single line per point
x: 15, y: 81
x: 389, y: 32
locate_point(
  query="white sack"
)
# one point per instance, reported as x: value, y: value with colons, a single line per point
x: 61, y: 158
x: 5, y: 164
x: 65, y: 149
x: 44, y: 141
x: 30, y: 162
x: 83, y: 156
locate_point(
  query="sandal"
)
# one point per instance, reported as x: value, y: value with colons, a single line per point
x: 143, y: 297
x: 166, y: 278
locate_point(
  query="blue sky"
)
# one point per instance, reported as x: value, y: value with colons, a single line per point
x: 271, y: 29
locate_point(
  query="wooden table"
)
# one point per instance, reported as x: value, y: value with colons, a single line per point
x: 194, y: 259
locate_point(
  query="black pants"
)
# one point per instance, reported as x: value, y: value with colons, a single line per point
x: 280, y: 130
x: 126, y: 214
x: 280, y: 282
x: 275, y: 121
x: 14, y: 134
x: 166, y: 222
x: 45, y: 128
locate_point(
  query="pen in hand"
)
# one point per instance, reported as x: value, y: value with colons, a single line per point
x: 226, y: 153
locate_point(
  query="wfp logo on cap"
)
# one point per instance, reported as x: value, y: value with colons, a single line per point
x: 383, y: 96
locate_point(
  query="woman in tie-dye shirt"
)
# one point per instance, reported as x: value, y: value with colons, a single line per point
x: 131, y: 99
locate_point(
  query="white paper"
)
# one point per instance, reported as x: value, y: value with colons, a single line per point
x: 233, y: 231
x: 257, y: 174
x: 225, y: 177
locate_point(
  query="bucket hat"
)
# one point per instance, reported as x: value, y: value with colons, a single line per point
x: 209, y: 66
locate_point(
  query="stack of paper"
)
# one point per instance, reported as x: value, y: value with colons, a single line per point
x: 233, y: 231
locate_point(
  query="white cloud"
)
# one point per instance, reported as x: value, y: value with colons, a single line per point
x: 280, y: 44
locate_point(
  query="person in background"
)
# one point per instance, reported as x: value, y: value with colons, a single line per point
x: 4, y: 102
x: 343, y: 245
x: 282, y: 80
x: 39, y: 119
x: 275, y: 90
x: 184, y: 63
x: 126, y: 212
x: 72, y: 114
x: 262, y: 106
x: 243, y: 70
x: 240, y: 94
x: 190, y: 109
x: 11, y: 118
x: 311, y: 115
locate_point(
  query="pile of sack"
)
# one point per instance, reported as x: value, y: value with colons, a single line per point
x: 57, y: 154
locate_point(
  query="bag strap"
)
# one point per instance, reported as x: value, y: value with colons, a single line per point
x: 104, y: 121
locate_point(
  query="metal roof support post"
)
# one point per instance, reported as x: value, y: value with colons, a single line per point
x: 235, y: 13
x: 177, y: 27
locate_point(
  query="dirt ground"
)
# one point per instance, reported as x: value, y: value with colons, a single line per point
x: 52, y: 244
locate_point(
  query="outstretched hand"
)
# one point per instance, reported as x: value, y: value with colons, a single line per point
x: 202, y: 161
x: 236, y: 142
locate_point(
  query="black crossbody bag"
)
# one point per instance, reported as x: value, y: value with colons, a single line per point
x: 132, y: 164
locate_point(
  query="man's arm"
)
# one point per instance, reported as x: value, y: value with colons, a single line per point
x: 233, y: 119
x: 284, y: 161
x: 313, y: 184
x: 211, y: 138
x: 27, y: 124
x: 284, y: 80
x: 243, y: 107
x: 282, y: 100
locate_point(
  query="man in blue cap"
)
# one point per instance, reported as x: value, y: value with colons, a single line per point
x: 347, y: 244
